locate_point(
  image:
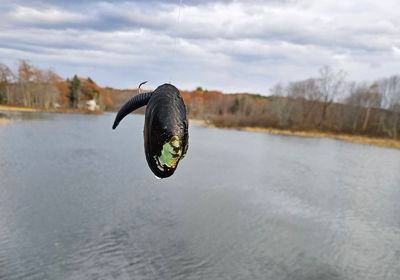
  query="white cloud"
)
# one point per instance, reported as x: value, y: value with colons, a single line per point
x: 231, y: 45
x: 44, y: 16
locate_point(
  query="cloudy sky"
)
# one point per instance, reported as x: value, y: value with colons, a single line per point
x: 229, y: 45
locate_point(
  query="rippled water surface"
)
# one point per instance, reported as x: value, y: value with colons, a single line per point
x: 77, y: 201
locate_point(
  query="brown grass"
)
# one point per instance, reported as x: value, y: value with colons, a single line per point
x: 388, y: 143
x: 197, y: 122
x: 50, y: 110
x: 15, y: 108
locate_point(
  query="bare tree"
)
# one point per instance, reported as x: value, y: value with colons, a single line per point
x: 390, y: 88
x: 25, y: 79
x: 30, y: 87
x: 354, y: 100
x: 281, y: 105
x: 53, y: 94
x: 371, y: 99
x: 43, y: 88
x: 307, y: 95
x: 330, y: 84
x: 364, y: 98
x: 6, y: 79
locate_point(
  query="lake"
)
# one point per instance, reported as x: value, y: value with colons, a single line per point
x: 78, y: 201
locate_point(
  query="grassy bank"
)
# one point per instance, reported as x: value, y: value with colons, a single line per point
x: 17, y: 109
x: 7, y: 108
x: 52, y: 110
x: 388, y: 143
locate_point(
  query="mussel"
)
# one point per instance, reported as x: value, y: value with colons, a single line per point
x: 166, y: 135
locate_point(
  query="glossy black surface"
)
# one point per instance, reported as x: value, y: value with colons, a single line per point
x: 165, y: 117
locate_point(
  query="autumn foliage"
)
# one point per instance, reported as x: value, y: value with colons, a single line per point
x: 326, y: 103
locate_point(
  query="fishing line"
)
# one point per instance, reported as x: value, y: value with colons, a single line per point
x: 179, y: 11
x: 175, y: 48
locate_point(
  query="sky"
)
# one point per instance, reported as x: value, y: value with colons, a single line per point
x: 233, y: 46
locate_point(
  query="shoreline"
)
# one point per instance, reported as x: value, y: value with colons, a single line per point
x: 51, y: 110
x: 358, y: 139
x: 17, y: 109
x: 6, y: 108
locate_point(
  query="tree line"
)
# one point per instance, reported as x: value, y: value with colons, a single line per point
x: 31, y: 86
x: 328, y: 102
x: 28, y: 86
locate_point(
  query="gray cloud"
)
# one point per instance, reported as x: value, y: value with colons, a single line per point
x: 232, y: 45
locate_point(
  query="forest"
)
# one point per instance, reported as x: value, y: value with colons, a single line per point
x: 328, y: 102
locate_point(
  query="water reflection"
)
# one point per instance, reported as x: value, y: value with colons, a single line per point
x: 24, y: 116
x: 77, y: 201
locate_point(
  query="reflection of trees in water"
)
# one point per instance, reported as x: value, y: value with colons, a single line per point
x: 24, y: 116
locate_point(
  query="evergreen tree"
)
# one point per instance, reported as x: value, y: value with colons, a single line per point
x: 73, y: 92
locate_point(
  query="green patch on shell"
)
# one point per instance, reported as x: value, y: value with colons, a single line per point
x: 170, y: 153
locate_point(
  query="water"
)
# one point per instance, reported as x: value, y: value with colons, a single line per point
x: 77, y: 201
